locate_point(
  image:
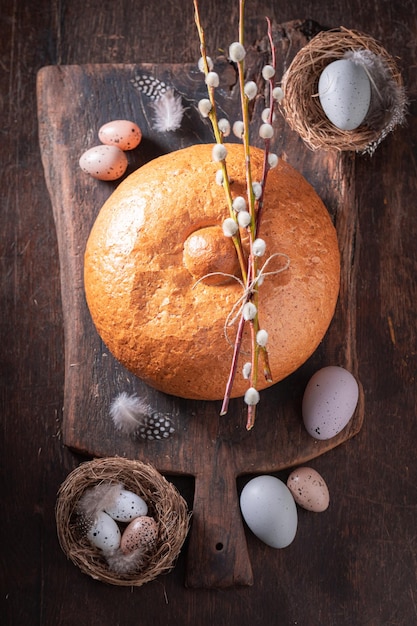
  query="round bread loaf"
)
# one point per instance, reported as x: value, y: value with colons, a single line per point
x: 158, y: 237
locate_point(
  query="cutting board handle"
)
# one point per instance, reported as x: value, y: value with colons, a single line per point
x: 217, y: 553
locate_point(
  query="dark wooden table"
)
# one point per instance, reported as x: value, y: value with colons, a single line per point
x: 353, y: 565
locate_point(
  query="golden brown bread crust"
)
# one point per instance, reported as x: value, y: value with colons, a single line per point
x: 142, y: 265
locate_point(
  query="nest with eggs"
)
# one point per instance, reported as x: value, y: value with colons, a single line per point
x: 301, y: 106
x: 165, y: 505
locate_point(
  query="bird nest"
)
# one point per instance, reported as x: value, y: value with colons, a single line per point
x: 301, y: 106
x: 165, y: 505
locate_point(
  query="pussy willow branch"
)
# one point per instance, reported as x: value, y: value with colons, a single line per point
x: 256, y: 349
x: 249, y: 274
x: 267, y: 143
x: 242, y: 21
x: 253, y: 264
x: 233, y: 368
x: 219, y: 139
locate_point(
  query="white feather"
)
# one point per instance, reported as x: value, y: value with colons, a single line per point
x: 98, y: 498
x: 168, y: 112
x: 388, y: 100
x: 127, y: 563
x: 129, y: 412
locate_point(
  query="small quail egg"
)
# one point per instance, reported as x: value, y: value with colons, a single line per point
x: 104, y: 534
x: 104, y: 162
x: 141, y: 533
x: 126, y: 506
x: 309, y: 489
x: 124, y: 134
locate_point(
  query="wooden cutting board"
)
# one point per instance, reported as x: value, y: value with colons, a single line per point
x: 73, y: 102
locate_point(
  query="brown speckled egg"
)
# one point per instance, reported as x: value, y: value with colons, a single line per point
x: 104, y: 162
x: 124, y: 134
x: 141, y: 533
x: 309, y: 489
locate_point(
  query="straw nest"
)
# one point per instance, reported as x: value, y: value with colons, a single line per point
x: 165, y: 505
x: 301, y: 106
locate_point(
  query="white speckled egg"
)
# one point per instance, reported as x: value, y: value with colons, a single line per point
x: 124, y: 134
x: 104, y: 533
x: 345, y: 93
x: 127, y: 506
x: 309, y: 489
x: 329, y: 401
x: 269, y: 510
x: 104, y: 162
x: 141, y: 533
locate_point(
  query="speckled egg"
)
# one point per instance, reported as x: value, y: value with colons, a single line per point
x: 269, y: 510
x: 141, y: 533
x: 104, y: 162
x: 344, y: 91
x: 309, y: 489
x: 104, y: 534
x: 329, y: 401
x: 127, y: 506
x: 124, y: 134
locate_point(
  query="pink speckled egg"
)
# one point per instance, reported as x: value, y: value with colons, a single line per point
x: 141, y: 533
x: 309, y: 489
x: 104, y: 162
x: 124, y: 134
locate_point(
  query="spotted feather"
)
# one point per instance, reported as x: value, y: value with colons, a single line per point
x: 150, y: 86
x: 167, y: 106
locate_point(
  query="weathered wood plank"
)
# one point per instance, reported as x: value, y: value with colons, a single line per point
x: 73, y: 101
